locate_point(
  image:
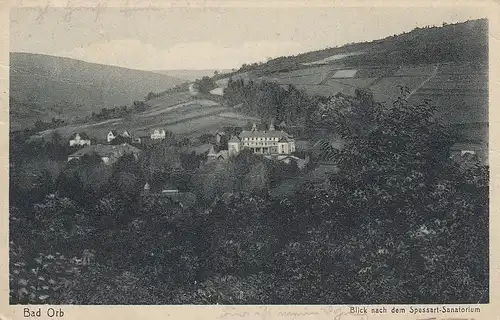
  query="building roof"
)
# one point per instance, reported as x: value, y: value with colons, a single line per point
x: 105, y: 150
x: 83, y: 136
x: 201, y: 149
x: 302, y: 145
x: 114, y: 132
x: 211, y: 151
x: 468, y: 146
x: 169, y: 186
x: 223, y: 154
x: 234, y: 139
x: 283, y: 139
x: 264, y: 134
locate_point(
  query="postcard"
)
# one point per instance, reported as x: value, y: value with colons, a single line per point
x: 260, y: 160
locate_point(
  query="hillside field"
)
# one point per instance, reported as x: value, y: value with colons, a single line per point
x: 188, y: 118
x: 458, y: 90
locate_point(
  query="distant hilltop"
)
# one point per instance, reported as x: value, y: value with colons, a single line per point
x: 459, y: 42
x: 45, y: 87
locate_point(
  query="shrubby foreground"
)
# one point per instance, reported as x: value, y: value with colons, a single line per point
x: 398, y: 223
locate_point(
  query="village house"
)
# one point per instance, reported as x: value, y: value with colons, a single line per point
x: 79, y: 139
x: 108, y: 153
x: 158, y: 134
x: 111, y: 135
x: 466, y: 150
x: 126, y: 134
x: 202, y: 149
x: 219, y: 137
x: 262, y: 142
x: 219, y: 156
x: 288, y: 159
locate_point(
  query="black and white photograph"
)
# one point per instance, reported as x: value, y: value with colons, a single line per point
x: 248, y: 155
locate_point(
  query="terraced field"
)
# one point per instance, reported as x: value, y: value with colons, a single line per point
x: 459, y: 91
x: 387, y: 90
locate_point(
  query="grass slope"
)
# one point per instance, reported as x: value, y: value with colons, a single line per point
x: 179, y: 113
x: 43, y: 86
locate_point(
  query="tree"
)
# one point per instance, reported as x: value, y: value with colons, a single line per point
x: 205, y: 84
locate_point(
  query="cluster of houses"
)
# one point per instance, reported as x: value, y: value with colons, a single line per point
x: 82, y: 139
x: 157, y: 134
x: 115, y: 145
x: 270, y: 143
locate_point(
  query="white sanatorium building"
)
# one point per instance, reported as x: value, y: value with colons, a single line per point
x: 262, y: 142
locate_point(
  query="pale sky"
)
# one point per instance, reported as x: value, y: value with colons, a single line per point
x: 217, y: 38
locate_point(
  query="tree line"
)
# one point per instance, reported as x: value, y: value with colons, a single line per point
x: 398, y: 223
x: 271, y: 101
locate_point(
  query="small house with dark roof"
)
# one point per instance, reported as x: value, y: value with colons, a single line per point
x: 79, y: 139
x: 217, y: 156
x: 108, y: 153
x: 464, y: 151
x: 169, y: 189
x: 120, y: 139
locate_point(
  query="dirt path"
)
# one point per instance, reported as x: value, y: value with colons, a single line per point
x: 432, y: 75
x: 82, y: 126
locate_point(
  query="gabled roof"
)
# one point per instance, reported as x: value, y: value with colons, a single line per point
x: 211, y: 151
x: 105, y: 150
x: 169, y: 186
x: 114, y: 132
x: 83, y: 136
x: 201, y: 149
x: 283, y: 139
x: 468, y: 146
x: 264, y: 134
x: 234, y: 139
x: 223, y: 154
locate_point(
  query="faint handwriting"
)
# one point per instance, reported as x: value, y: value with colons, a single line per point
x: 264, y: 313
x: 42, y: 13
x: 434, y: 318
